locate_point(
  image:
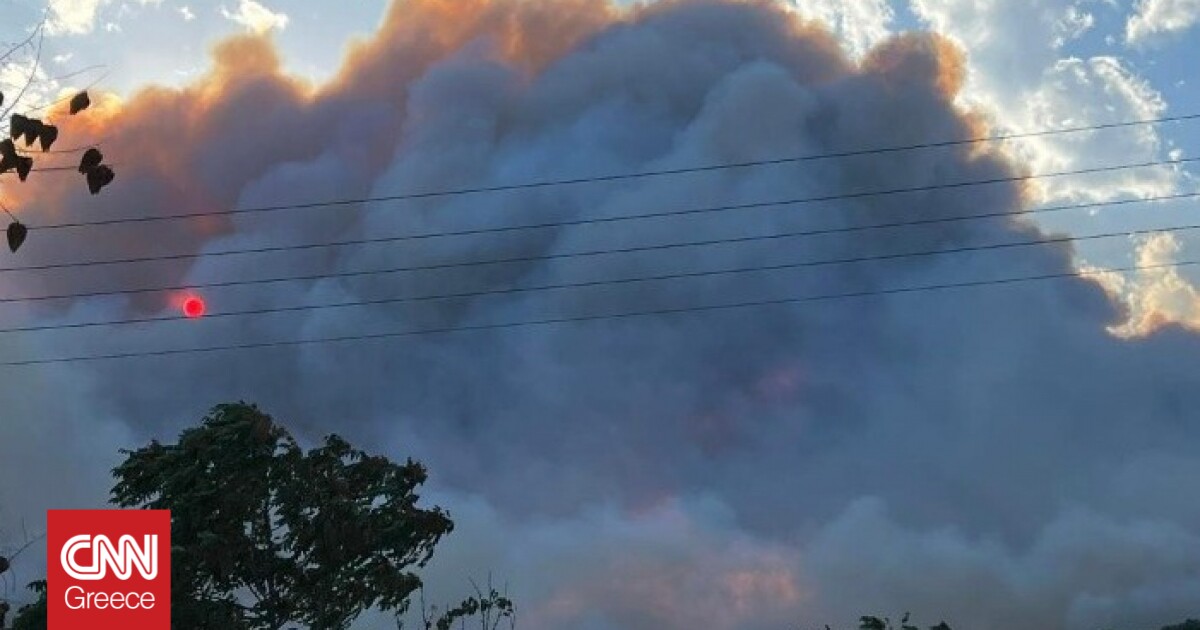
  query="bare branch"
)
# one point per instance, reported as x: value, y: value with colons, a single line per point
x: 16, y: 47
x: 37, y: 60
x: 4, y: 126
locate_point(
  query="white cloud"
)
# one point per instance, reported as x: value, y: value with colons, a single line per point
x: 859, y: 25
x: 1021, y: 79
x: 187, y: 13
x: 1155, y: 20
x: 1099, y: 90
x: 1158, y: 294
x: 27, y: 73
x: 80, y: 17
x: 1072, y: 25
x: 73, y: 17
x: 1024, y: 81
x: 256, y: 17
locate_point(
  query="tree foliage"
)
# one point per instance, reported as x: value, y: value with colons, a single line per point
x: 313, y: 537
x: 868, y: 622
x: 884, y: 623
x: 489, y: 608
x: 32, y: 616
x: 34, y: 613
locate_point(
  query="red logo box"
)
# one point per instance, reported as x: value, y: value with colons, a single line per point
x: 108, y: 569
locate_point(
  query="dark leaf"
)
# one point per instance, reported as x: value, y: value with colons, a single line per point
x: 27, y: 128
x: 16, y: 236
x: 8, y: 156
x: 80, y: 102
x: 35, y: 131
x: 1, y: 99
x: 91, y: 159
x: 48, y: 136
x: 99, y: 177
x: 24, y: 165
x: 871, y: 623
x: 19, y: 127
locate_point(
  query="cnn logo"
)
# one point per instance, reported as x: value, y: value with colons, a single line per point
x: 109, y: 569
x: 122, y: 557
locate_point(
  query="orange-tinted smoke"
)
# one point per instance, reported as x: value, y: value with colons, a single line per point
x: 195, y: 149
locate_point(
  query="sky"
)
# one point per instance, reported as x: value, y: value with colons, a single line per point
x: 1010, y: 455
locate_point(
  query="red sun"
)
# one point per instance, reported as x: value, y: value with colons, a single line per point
x: 194, y: 307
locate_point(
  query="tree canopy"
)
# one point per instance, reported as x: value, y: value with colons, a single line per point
x: 314, y: 537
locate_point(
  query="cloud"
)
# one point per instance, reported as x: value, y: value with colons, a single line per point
x: 255, y: 17
x: 996, y: 448
x: 1155, y: 21
x: 1023, y: 80
x: 1159, y: 295
x: 73, y: 17
x: 858, y: 25
x: 80, y: 17
x: 1072, y: 25
x: 26, y: 80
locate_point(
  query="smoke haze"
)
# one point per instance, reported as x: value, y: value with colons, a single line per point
x: 993, y: 456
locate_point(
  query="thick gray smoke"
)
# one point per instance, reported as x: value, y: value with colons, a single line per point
x: 992, y: 456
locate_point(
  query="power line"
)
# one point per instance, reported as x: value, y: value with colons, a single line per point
x: 626, y: 176
x: 588, y: 318
x: 46, y: 169
x: 394, y: 270
x: 610, y: 282
x: 64, y: 99
x: 392, y: 239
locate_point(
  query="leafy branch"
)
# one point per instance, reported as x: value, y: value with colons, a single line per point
x: 24, y: 131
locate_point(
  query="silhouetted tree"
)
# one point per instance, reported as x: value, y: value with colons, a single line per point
x: 876, y: 623
x: 265, y: 533
x: 490, y: 609
x: 33, y: 616
x: 884, y: 623
x: 313, y: 537
x: 6, y: 560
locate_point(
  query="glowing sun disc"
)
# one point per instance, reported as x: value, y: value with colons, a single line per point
x: 193, y: 308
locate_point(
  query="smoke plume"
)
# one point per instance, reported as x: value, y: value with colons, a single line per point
x: 996, y: 456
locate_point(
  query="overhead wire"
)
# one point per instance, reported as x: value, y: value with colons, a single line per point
x: 573, y: 319
x: 618, y: 281
x: 392, y: 239
x: 609, y: 178
x: 623, y: 176
x: 394, y: 270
